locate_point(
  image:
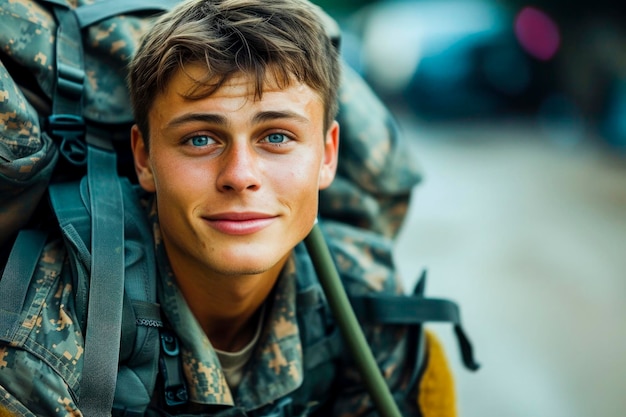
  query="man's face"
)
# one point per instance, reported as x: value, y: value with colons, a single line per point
x: 236, y: 179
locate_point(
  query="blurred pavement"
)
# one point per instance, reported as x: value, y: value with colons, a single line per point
x: 526, y: 230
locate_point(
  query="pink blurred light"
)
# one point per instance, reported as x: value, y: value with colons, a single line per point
x: 537, y: 33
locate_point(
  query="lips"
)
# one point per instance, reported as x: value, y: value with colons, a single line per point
x: 239, y: 223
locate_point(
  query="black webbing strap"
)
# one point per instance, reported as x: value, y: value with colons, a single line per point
x: 16, y: 277
x: 416, y: 344
x: 394, y: 309
x: 90, y: 14
x: 412, y: 310
x: 106, y: 287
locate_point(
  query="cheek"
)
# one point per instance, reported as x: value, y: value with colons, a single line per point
x: 301, y: 175
x: 173, y: 172
x: 300, y: 184
x: 178, y: 183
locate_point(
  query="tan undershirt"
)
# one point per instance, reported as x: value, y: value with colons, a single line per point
x: 234, y: 362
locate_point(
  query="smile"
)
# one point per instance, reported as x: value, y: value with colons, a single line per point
x: 239, y: 223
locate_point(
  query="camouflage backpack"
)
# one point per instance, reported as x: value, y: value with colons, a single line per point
x: 62, y: 84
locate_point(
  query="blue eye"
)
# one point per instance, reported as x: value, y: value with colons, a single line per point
x: 276, y: 138
x: 200, y: 140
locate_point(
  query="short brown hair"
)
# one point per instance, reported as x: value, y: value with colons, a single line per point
x: 284, y: 39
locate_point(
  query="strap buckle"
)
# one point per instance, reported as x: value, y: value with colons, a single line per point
x: 174, y: 387
x: 70, y: 129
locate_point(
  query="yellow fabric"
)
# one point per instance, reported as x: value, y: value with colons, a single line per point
x: 4, y: 412
x: 436, y: 396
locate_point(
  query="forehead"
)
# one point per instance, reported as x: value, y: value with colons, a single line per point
x: 190, y: 86
x: 235, y: 102
x: 192, y: 82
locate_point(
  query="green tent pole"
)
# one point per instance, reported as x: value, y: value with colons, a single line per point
x: 349, y: 325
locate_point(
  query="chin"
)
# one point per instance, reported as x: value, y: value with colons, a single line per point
x: 242, y: 265
x: 248, y: 270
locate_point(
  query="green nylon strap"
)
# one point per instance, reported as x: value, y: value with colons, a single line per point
x: 106, y: 287
x: 70, y: 74
x: 16, y: 277
x: 66, y: 121
x: 349, y: 325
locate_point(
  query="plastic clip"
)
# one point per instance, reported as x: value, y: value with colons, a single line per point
x: 174, y: 387
x: 70, y: 129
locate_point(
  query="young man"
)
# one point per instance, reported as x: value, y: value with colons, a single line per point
x: 235, y: 104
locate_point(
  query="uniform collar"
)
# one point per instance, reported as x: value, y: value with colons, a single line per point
x: 275, y: 368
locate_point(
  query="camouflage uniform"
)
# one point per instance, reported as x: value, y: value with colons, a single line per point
x: 40, y: 371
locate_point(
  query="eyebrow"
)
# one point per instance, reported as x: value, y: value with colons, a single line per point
x: 211, y: 118
x: 269, y: 115
x: 218, y: 119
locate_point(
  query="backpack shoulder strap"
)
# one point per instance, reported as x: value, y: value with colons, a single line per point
x: 137, y: 352
x: 106, y: 286
x: 103, y: 254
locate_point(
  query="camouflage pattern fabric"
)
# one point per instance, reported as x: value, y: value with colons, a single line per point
x: 40, y: 369
x: 28, y: 40
x: 27, y: 155
x: 376, y: 172
x: 26, y: 158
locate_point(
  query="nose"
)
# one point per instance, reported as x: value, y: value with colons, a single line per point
x: 239, y: 169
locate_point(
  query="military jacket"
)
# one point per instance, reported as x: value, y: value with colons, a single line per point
x: 299, y: 366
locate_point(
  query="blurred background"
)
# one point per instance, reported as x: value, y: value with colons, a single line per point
x: 517, y: 114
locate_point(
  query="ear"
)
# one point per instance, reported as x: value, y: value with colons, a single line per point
x: 142, y: 160
x: 331, y: 156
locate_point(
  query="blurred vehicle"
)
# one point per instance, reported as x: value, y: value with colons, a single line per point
x: 448, y: 59
x: 472, y: 59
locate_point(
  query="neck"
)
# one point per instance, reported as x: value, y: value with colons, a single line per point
x: 227, y: 307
